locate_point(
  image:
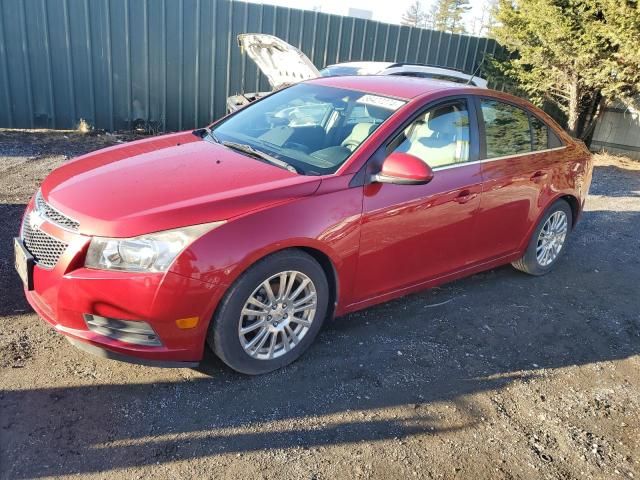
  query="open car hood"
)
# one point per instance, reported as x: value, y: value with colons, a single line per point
x: 282, y: 64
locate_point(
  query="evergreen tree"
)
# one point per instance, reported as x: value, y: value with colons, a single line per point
x: 448, y: 15
x: 577, y: 55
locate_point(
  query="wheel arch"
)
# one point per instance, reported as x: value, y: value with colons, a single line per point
x: 573, y: 203
x: 328, y: 264
x: 330, y: 272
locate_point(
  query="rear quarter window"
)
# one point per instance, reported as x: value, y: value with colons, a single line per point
x: 540, y: 133
x: 543, y: 136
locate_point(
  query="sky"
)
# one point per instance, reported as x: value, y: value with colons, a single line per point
x: 389, y: 11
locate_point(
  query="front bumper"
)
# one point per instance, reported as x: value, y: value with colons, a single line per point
x: 62, y: 295
x: 156, y: 299
x: 104, y: 353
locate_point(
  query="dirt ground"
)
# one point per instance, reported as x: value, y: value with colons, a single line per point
x: 498, y: 376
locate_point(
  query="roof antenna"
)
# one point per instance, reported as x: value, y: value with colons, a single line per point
x: 475, y: 72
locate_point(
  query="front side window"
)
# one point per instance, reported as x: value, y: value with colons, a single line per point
x: 313, y: 128
x: 440, y: 137
x: 506, y: 129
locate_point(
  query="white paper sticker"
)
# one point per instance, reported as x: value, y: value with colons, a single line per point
x: 382, y: 102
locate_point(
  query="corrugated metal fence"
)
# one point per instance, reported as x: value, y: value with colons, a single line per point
x: 170, y: 64
x: 618, y: 131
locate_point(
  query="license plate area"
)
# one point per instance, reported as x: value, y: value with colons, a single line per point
x: 23, y: 262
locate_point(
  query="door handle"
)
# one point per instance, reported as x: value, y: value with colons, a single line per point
x: 465, y: 196
x: 539, y: 175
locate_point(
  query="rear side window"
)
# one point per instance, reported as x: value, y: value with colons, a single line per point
x: 362, y: 114
x: 510, y: 130
x: 506, y: 129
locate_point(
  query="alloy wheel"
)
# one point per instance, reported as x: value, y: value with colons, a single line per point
x: 277, y: 315
x: 551, y: 238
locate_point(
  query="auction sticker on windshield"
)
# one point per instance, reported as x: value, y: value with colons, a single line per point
x: 382, y: 102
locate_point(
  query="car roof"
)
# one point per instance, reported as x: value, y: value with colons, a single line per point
x: 390, y: 85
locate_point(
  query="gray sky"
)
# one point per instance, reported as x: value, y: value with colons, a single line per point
x: 389, y: 11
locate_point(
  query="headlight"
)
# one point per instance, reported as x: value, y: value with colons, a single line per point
x: 147, y: 253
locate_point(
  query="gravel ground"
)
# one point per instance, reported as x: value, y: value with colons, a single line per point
x: 498, y: 376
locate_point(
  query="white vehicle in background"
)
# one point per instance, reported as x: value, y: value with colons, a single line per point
x: 284, y: 64
x: 405, y: 69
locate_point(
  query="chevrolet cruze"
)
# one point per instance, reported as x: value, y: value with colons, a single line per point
x: 320, y: 199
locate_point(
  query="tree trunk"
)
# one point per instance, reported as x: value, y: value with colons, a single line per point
x: 574, y: 107
x: 590, y: 112
x: 590, y: 126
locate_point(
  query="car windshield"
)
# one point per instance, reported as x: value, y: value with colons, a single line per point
x: 312, y: 128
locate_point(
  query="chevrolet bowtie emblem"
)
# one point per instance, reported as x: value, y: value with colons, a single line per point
x: 35, y: 220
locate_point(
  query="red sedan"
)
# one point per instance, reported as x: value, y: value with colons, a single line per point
x: 323, y: 198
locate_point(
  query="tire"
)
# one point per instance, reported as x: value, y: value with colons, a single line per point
x: 278, y: 319
x: 530, y: 262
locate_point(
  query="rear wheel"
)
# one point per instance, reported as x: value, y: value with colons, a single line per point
x: 271, y: 314
x: 548, y: 241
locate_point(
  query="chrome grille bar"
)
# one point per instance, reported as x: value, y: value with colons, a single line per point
x: 47, y: 211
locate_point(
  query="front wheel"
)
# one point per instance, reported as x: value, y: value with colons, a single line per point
x: 548, y: 240
x: 271, y: 314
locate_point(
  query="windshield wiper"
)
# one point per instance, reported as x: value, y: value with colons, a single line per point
x: 206, y: 132
x: 249, y: 150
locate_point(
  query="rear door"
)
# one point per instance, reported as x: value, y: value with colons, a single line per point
x: 517, y: 149
x: 414, y: 233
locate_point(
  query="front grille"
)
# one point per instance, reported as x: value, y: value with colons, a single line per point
x: 47, y: 211
x: 46, y: 250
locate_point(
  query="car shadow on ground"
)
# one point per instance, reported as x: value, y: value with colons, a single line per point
x: 373, y: 375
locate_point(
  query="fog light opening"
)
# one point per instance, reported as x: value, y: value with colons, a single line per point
x: 128, y: 331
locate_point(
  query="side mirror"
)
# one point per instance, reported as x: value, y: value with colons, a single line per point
x: 403, y: 169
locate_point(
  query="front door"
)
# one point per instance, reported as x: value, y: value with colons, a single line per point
x: 414, y: 233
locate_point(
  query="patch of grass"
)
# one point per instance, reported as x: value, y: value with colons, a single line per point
x: 607, y: 158
x: 83, y: 126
